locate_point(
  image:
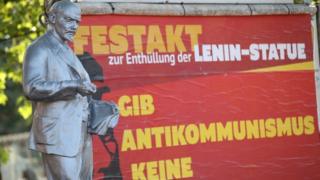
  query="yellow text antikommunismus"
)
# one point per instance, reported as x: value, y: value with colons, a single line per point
x: 195, y: 133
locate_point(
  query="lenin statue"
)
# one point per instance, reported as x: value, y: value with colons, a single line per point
x: 58, y: 86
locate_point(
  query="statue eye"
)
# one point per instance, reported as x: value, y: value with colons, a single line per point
x: 68, y: 19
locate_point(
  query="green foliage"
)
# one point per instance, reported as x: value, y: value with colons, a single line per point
x: 4, y: 155
x: 18, y: 27
x: 316, y: 1
x: 306, y: 1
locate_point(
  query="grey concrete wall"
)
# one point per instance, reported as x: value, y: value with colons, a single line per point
x: 152, y: 9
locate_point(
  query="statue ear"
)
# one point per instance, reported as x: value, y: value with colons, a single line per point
x: 52, y: 18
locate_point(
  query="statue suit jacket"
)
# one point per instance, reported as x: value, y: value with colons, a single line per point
x: 51, y: 73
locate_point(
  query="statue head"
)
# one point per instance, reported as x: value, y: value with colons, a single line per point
x: 64, y: 18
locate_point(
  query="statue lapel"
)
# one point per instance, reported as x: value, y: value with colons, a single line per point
x: 65, y: 55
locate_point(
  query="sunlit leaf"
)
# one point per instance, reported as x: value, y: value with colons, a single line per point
x: 3, y: 99
x: 3, y: 76
x: 25, y: 111
x: 4, y: 155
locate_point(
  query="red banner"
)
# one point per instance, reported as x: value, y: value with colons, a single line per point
x: 204, y: 97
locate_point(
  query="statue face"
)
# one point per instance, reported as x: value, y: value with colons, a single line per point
x: 67, y: 22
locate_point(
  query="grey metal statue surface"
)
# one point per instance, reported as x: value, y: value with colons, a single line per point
x: 58, y: 86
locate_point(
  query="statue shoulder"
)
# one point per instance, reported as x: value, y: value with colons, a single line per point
x: 39, y: 49
x: 41, y: 42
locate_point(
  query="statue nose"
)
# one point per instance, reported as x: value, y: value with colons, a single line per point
x: 74, y: 26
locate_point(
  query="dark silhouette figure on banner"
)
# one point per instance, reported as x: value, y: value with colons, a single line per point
x: 111, y: 171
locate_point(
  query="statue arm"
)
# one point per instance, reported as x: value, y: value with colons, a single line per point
x: 35, y: 85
